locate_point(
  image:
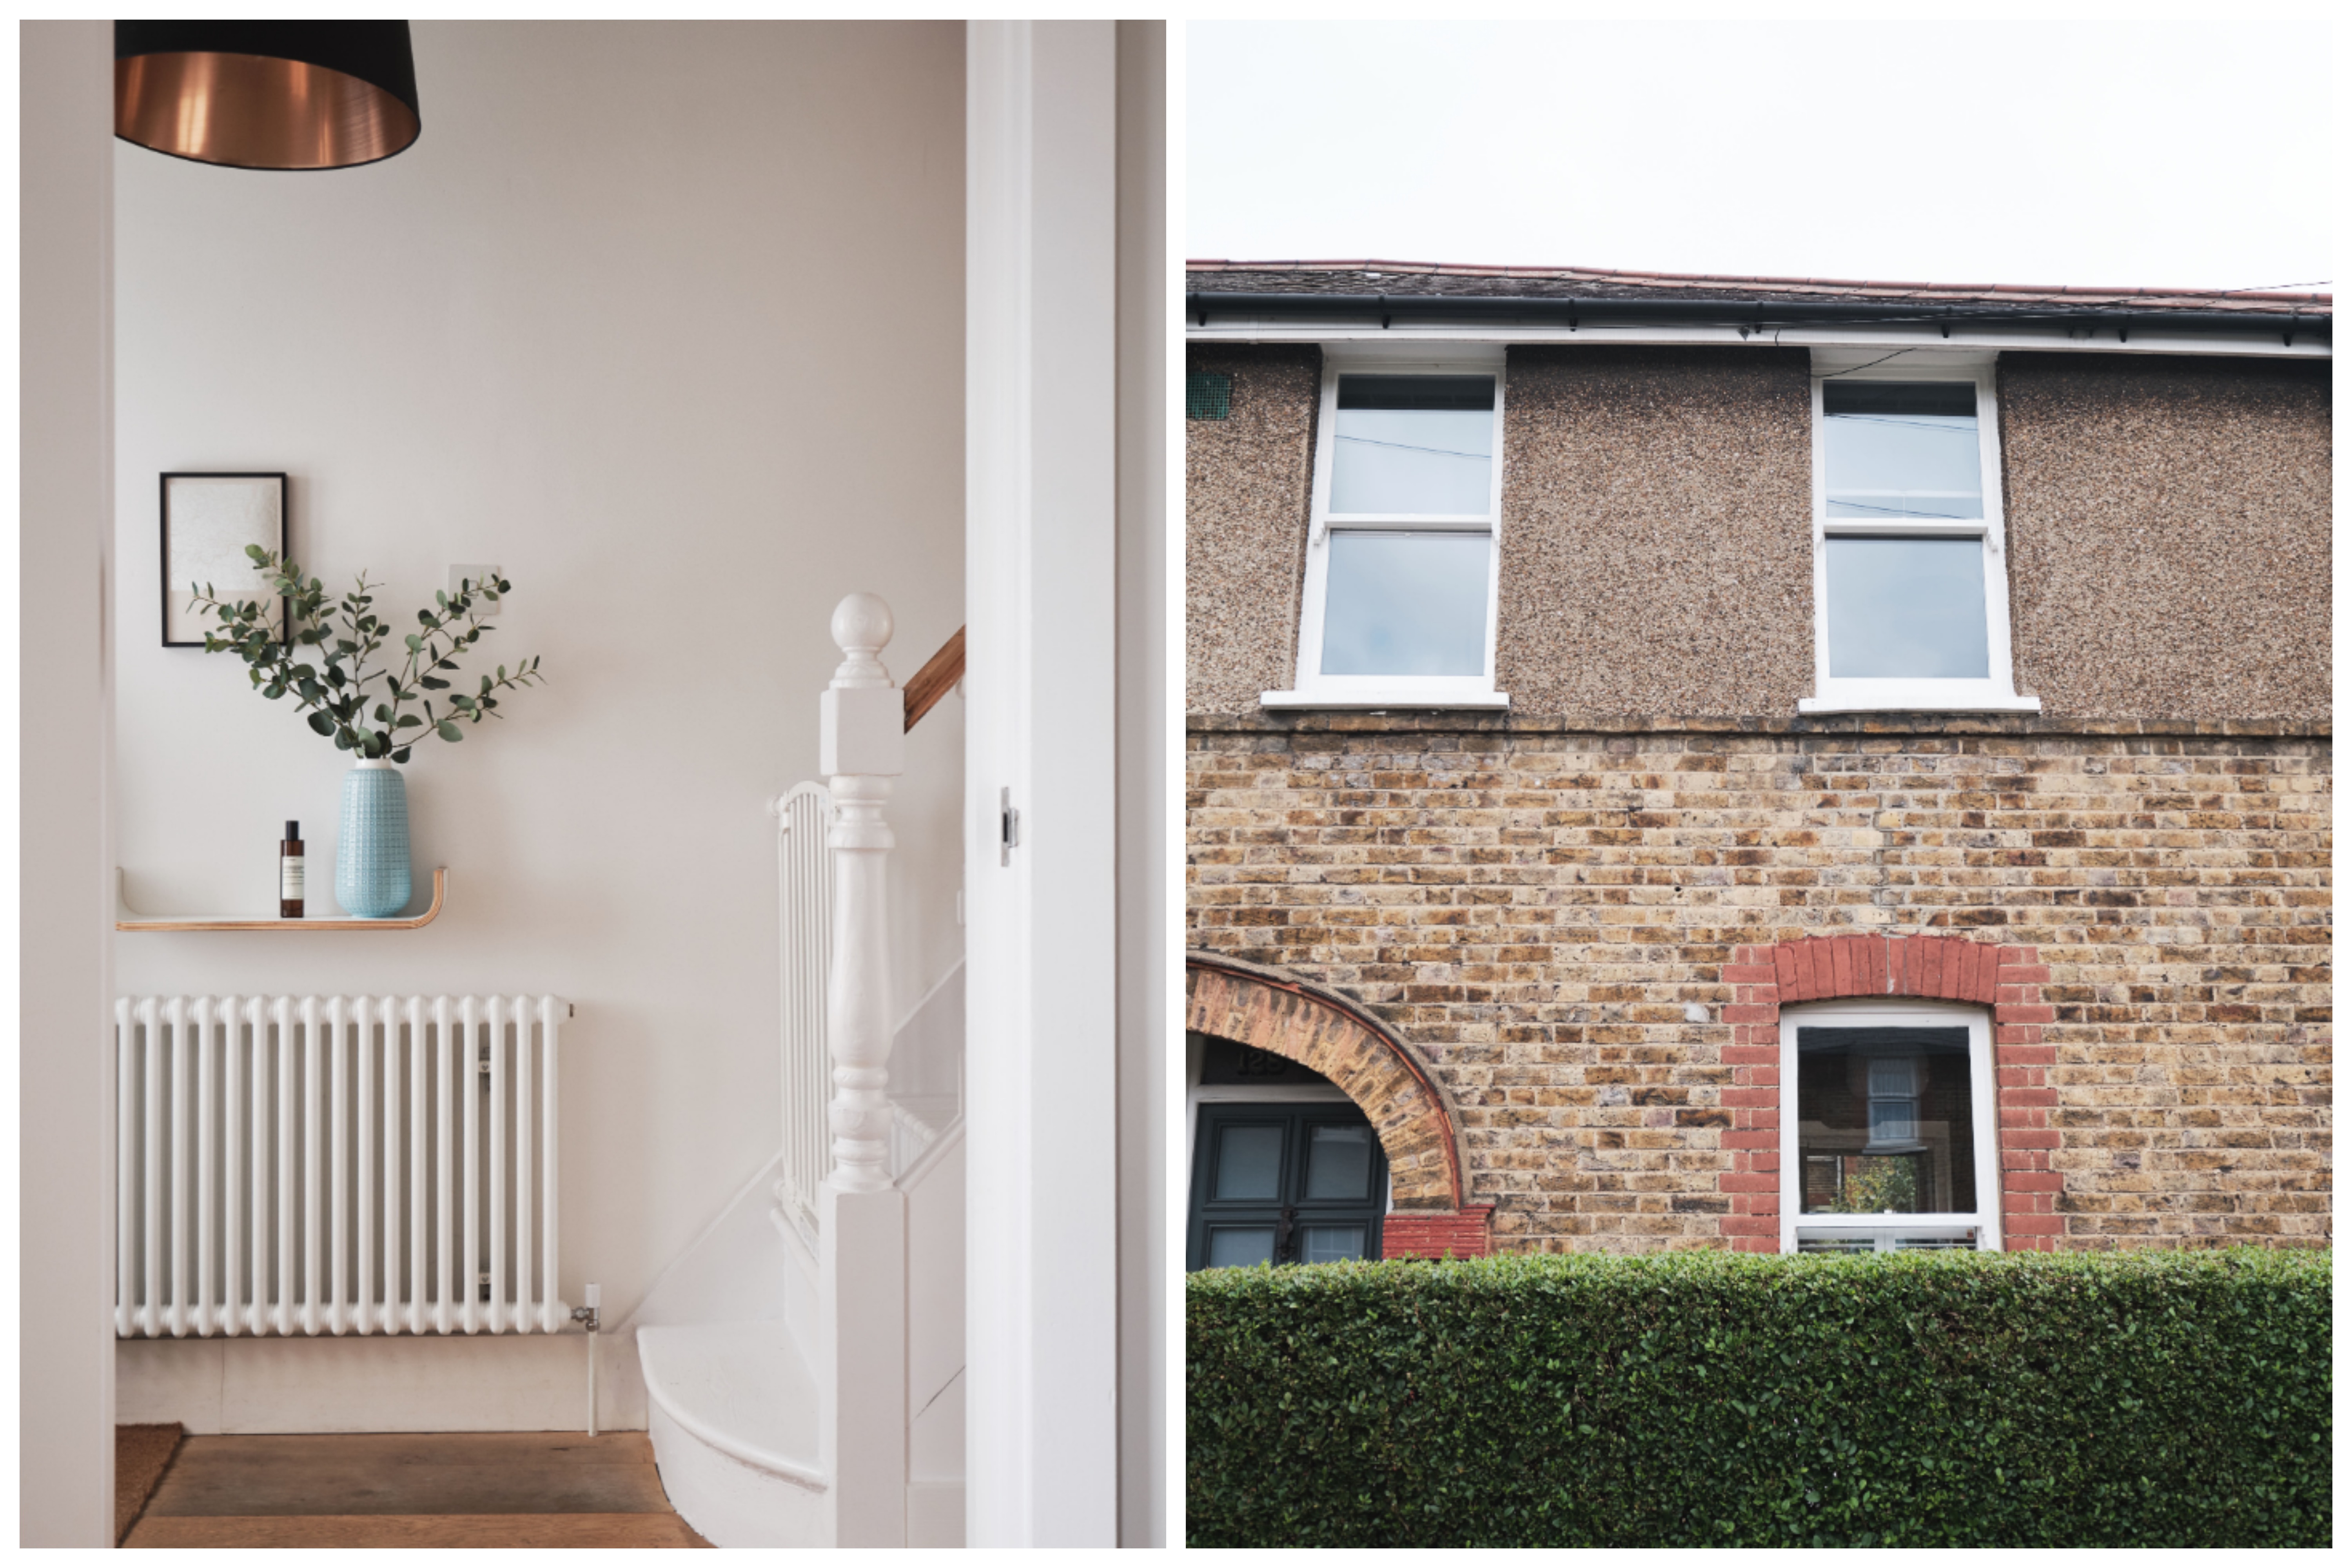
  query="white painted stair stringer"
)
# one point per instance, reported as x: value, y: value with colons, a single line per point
x: 934, y: 1188
x: 731, y: 1407
x: 725, y: 1338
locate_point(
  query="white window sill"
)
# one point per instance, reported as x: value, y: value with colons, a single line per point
x: 1917, y: 696
x: 1875, y: 1227
x: 1394, y: 698
x: 1817, y: 1224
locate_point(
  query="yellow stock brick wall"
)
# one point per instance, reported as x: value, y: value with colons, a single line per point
x: 1546, y: 908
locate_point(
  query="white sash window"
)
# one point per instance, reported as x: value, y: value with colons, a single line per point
x: 1910, y: 575
x: 1399, y: 601
x: 1889, y: 1135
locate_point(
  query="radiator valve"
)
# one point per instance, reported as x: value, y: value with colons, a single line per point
x: 587, y: 1315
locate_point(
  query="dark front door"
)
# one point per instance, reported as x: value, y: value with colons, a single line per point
x: 1284, y: 1183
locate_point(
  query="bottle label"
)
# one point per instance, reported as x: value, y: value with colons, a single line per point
x: 290, y: 876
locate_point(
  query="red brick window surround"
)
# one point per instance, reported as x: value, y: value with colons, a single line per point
x: 2007, y: 979
x: 1410, y: 1112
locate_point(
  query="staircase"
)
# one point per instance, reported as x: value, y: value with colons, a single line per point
x: 732, y: 1412
x: 804, y: 1363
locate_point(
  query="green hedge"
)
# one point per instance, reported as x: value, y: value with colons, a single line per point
x: 2155, y: 1398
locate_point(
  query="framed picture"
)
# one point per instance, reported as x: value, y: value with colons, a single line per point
x: 208, y: 520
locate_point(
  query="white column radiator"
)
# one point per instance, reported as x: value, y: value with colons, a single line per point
x: 804, y: 923
x: 336, y: 1165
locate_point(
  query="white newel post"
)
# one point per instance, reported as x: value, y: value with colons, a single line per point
x: 862, y: 1217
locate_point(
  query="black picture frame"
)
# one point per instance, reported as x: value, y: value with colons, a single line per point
x: 194, y: 547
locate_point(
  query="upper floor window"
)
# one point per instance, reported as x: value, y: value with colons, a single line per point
x: 1891, y: 1142
x: 1399, y: 600
x: 1910, y: 586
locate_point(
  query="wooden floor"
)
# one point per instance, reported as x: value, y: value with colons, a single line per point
x: 470, y: 1488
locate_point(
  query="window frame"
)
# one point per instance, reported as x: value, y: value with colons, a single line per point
x: 1997, y: 691
x: 1310, y: 687
x: 1199, y: 1096
x: 1984, y: 1119
x: 1296, y: 1116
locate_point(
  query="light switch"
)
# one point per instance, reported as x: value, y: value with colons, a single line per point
x: 477, y: 573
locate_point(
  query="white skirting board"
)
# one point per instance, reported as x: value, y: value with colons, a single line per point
x: 454, y: 1383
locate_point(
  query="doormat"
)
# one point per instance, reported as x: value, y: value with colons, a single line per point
x: 142, y: 1455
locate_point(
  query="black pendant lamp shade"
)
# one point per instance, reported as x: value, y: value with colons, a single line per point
x: 267, y: 95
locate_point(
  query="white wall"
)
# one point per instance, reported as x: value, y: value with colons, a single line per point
x: 65, y: 1475
x: 667, y: 321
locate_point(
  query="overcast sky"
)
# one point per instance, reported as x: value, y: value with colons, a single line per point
x: 2106, y: 154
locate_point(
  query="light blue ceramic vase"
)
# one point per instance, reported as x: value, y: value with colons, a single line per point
x: 372, y: 854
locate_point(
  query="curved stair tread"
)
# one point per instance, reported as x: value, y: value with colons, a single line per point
x: 742, y: 1388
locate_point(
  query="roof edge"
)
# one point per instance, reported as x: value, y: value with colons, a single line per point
x: 1793, y: 285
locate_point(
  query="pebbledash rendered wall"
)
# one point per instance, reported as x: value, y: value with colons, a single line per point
x: 1583, y: 917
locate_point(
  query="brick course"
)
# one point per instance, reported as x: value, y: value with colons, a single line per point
x: 1464, y: 1235
x: 1582, y: 932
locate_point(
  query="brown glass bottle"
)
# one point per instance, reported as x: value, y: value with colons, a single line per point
x: 290, y: 874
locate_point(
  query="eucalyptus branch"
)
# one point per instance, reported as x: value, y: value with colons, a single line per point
x: 334, y: 693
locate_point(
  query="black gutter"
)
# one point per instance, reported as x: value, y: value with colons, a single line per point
x: 1750, y: 316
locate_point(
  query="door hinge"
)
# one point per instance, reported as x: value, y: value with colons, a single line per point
x: 1008, y: 826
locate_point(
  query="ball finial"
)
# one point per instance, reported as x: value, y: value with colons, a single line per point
x: 861, y: 624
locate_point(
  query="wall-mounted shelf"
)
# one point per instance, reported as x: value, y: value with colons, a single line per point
x: 127, y: 919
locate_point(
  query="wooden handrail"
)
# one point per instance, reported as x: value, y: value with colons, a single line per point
x: 935, y: 680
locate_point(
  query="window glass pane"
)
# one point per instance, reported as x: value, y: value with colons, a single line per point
x: 1240, y: 1246
x: 1338, y: 1161
x: 1906, y: 607
x: 1884, y: 1121
x: 1249, y: 1162
x: 1414, y: 444
x: 1405, y: 604
x: 1208, y: 394
x: 1897, y: 448
x: 1331, y: 1243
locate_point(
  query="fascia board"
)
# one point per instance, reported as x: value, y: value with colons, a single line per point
x: 2263, y: 344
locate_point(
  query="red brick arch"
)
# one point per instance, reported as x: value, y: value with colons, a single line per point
x: 1408, y: 1109
x: 2007, y: 979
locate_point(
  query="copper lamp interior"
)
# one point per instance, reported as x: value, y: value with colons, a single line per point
x: 252, y: 111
